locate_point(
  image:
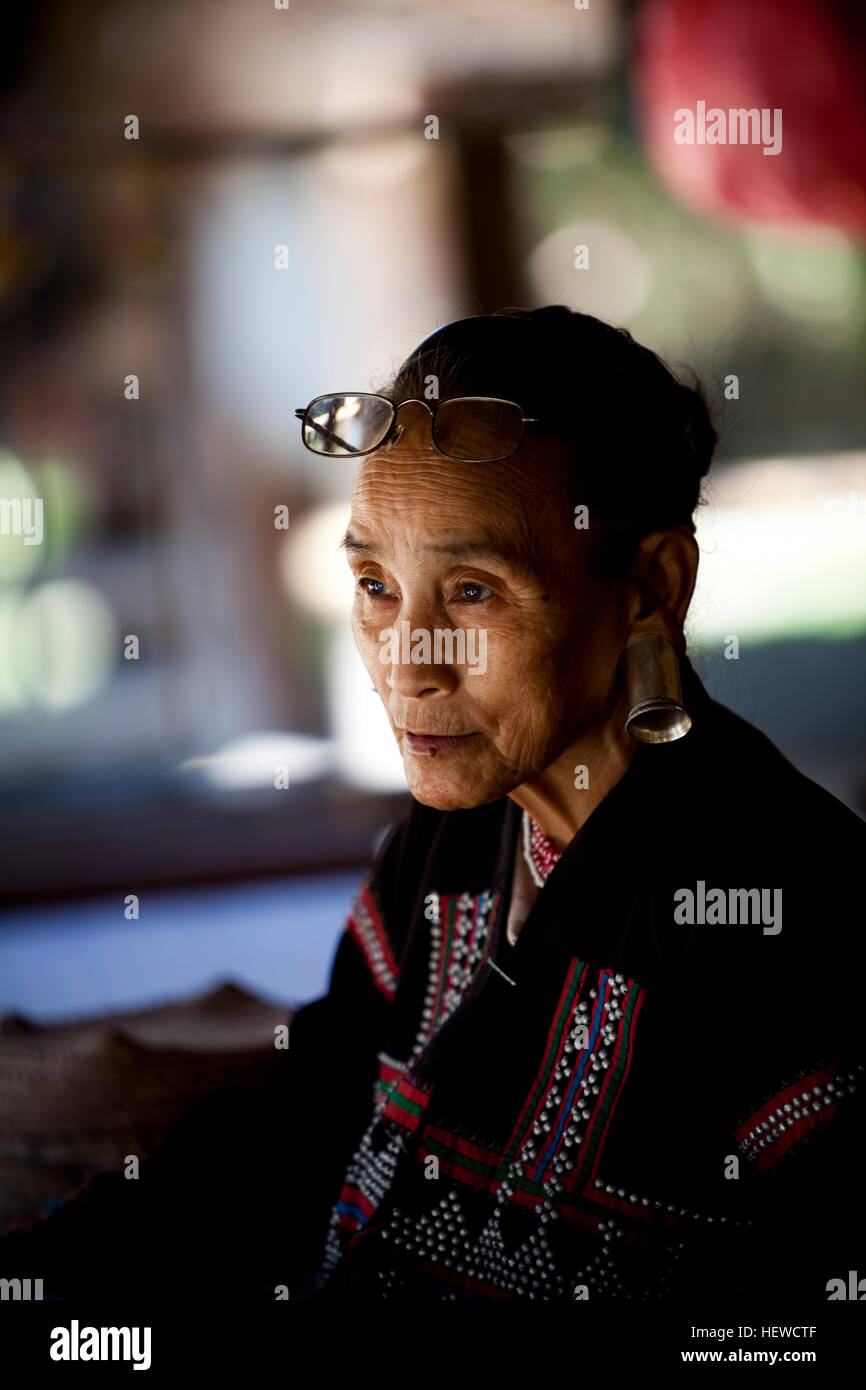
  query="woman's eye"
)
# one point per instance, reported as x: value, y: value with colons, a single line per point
x: 374, y: 587
x: 471, y: 592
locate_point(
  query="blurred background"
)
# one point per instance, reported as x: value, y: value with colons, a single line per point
x: 213, y: 210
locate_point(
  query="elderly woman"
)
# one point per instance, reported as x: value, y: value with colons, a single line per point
x: 592, y: 1030
x: 586, y: 1034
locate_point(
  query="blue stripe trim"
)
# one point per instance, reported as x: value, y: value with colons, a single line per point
x: 346, y: 1210
x: 565, y: 1109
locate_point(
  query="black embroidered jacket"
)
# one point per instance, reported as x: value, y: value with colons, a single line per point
x: 624, y: 1104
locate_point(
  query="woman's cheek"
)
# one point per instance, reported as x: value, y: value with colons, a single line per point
x: 366, y: 635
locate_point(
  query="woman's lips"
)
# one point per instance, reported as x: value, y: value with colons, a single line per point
x: 433, y: 743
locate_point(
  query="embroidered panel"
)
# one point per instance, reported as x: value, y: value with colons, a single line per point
x: 460, y: 928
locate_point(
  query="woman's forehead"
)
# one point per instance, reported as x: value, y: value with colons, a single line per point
x: 445, y: 513
x: 413, y: 469
x: 430, y: 498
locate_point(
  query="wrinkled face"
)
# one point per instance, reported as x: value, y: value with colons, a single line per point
x: 485, y: 629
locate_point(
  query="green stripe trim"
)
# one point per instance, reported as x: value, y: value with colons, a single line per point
x: 410, y: 1106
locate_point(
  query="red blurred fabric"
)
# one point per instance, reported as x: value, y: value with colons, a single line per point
x: 805, y: 58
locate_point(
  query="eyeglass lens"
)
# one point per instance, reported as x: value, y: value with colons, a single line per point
x: 341, y: 425
x: 469, y: 430
x: 477, y: 429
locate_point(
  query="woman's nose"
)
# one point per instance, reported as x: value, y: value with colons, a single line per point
x: 416, y: 661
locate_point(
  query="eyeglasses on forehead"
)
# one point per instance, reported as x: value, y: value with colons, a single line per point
x: 471, y: 429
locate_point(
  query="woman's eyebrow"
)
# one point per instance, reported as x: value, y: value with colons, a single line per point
x: 350, y: 542
x: 455, y: 548
x: 459, y: 549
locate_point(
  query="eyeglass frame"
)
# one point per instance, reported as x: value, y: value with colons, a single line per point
x: 302, y: 412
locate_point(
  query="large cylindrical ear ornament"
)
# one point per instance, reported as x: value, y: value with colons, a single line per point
x: 655, y: 696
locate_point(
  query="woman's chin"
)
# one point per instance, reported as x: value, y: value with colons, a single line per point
x: 444, y: 800
x: 453, y: 789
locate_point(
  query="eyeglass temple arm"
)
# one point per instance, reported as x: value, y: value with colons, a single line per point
x: 326, y: 433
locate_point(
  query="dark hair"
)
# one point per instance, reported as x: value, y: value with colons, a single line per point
x: 642, y: 439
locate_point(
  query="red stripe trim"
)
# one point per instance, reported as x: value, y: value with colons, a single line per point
x: 365, y: 920
x: 405, y: 1087
x: 389, y: 1075
x: 774, y: 1151
x: 528, y: 1115
x: 464, y: 1146
x: 791, y: 1093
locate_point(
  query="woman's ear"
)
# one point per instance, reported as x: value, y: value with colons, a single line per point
x: 661, y: 582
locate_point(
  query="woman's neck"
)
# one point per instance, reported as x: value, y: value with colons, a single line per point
x: 562, y: 797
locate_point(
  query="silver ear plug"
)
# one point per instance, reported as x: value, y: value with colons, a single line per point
x: 652, y: 673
